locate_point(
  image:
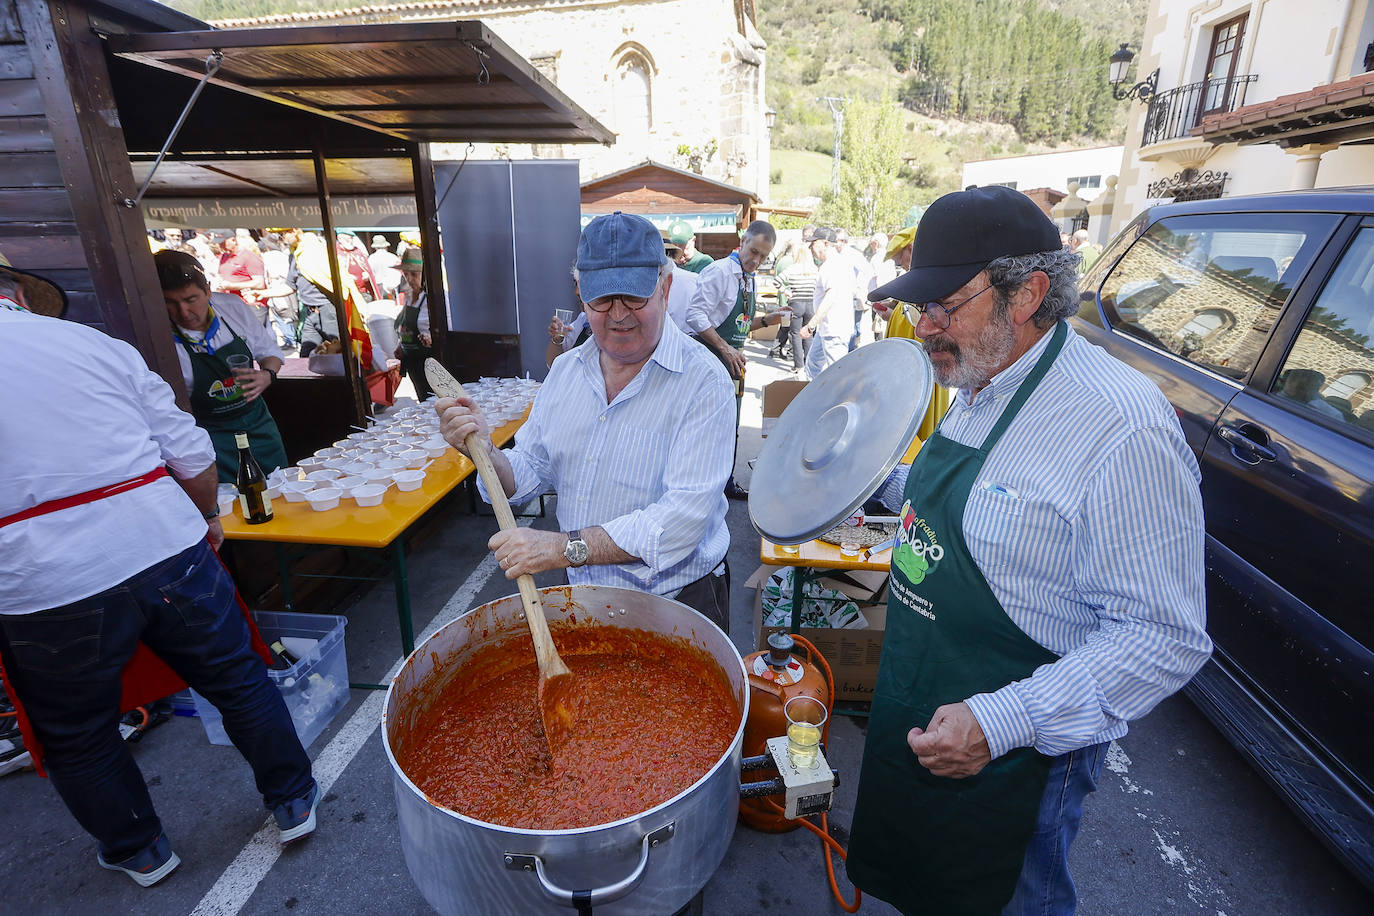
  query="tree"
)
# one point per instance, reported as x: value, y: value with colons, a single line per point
x: 872, y: 196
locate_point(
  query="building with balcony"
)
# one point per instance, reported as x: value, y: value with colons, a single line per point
x: 1249, y: 96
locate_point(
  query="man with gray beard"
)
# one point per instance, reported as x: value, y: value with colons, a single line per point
x: 1047, y: 582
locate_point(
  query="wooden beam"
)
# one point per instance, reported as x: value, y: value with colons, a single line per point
x: 351, y: 365
x: 441, y: 106
x: 325, y: 84
x: 248, y: 181
x: 427, y: 217
x: 69, y: 64
x: 329, y: 36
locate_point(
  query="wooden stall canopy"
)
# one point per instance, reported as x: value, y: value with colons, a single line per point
x: 419, y: 82
x: 94, y: 86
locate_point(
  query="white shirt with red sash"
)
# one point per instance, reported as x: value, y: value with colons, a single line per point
x: 82, y: 411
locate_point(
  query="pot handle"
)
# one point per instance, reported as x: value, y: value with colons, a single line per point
x: 584, y: 900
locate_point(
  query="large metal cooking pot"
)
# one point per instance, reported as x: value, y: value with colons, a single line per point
x: 654, y: 862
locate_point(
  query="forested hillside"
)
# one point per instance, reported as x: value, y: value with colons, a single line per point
x: 1000, y: 60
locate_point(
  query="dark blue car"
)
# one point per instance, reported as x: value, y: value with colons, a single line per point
x: 1255, y: 316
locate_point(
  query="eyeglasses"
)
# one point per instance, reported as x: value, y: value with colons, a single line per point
x: 937, y: 313
x: 604, y: 303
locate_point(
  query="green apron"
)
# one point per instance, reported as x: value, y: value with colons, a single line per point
x: 930, y: 844
x: 734, y: 330
x: 408, y: 322
x: 220, y: 409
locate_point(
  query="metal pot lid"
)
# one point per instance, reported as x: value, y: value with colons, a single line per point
x: 839, y: 439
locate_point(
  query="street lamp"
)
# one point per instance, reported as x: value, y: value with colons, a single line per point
x: 770, y: 117
x: 1120, y: 65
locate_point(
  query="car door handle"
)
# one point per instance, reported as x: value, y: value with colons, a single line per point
x: 1246, y: 448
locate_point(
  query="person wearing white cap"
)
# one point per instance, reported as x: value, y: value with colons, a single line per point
x: 832, y: 313
x: 385, y: 266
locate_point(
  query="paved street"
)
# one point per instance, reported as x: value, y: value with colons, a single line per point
x: 1179, y: 824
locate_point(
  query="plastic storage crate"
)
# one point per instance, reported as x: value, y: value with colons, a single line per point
x: 315, y: 688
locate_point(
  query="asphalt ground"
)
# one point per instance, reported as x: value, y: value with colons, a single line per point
x: 1179, y: 824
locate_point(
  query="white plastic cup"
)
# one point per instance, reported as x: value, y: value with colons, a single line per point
x: 322, y: 500
x: 349, y: 484
x: 369, y: 494
x: 295, y: 490
x: 414, y: 457
x: 409, y: 480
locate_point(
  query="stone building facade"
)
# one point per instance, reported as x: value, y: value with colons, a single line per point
x: 679, y: 81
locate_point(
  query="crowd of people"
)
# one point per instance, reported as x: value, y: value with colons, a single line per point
x: 240, y: 303
x: 263, y: 267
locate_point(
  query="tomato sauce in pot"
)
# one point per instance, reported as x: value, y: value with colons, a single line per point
x: 652, y: 714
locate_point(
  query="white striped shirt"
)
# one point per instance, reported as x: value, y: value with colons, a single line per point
x: 650, y: 467
x: 1086, y: 521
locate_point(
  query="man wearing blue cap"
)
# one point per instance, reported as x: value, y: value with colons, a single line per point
x: 634, y: 430
x: 1047, y: 583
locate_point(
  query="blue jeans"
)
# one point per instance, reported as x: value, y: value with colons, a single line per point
x: 65, y: 665
x: 1045, y: 887
x: 287, y: 329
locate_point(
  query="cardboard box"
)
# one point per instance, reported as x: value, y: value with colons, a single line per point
x: 853, y: 655
x: 776, y: 396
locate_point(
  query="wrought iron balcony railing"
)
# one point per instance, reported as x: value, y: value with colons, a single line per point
x: 1173, y: 113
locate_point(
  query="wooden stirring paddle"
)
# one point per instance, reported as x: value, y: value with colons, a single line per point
x: 555, y: 680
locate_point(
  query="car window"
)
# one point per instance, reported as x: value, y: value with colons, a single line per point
x: 1209, y: 288
x: 1330, y: 369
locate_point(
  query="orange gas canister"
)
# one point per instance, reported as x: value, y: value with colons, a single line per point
x: 776, y: 675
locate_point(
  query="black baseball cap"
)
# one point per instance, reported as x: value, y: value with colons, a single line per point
x: 963, y: 232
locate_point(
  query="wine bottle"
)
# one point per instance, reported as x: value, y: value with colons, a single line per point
x: 283, y: 659
x: 252, y: 485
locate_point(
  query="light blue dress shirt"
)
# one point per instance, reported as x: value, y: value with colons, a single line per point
x: 1086, y: 521
x: 649, y: 467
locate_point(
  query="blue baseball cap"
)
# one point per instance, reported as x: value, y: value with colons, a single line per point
x: 618, y: 255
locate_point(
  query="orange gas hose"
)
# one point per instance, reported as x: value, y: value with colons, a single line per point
x: 823, y: 831
x: 827, y: 843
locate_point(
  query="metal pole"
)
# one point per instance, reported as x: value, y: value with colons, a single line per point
x: 212, y: 65
x: 360, y: 410
x: 836, y: 106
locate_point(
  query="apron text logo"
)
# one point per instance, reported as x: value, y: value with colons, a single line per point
x: 918, y: 550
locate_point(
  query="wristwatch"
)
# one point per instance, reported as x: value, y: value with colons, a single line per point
x: 210, y: 514
x: 576, y: 550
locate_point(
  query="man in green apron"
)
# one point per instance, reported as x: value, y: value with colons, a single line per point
x: 721, y: 313
x: 213, y: 332
x: 412, y: 322
x: 1047, y: 585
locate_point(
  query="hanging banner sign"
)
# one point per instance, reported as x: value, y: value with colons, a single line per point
x: 723, y: 221
x: 379, y: 212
